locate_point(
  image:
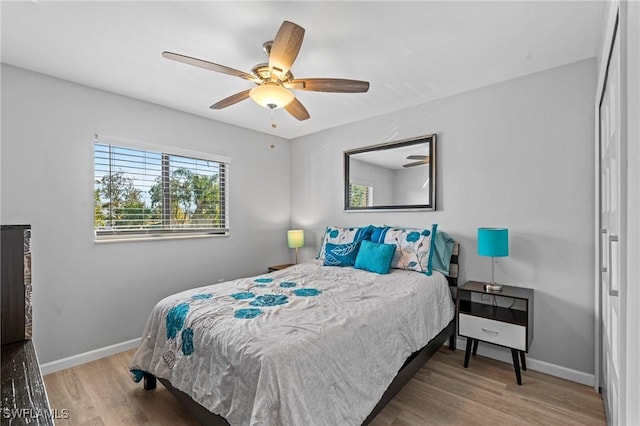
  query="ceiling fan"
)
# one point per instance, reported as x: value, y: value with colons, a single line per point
x: 274, y: 79
x: 421, y: 160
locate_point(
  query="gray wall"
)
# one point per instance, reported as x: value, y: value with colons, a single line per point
x: 517, y: 154
x: 379, y: 178
x: 86, y: 295
x: 408, y: 186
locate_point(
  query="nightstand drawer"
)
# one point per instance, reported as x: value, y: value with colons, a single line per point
x: 500, y: 333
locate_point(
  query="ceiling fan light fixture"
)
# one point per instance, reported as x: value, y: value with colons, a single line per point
x: 274, y: 78
x: 271, y: 95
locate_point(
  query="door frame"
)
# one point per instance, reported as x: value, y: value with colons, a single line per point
x: 609, y: 29
x: 629, y: 33
x: 626, y: 24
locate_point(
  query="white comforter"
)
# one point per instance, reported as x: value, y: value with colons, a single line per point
x: 315, y: 360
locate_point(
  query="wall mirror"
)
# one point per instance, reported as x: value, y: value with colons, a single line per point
x: 398, y: 175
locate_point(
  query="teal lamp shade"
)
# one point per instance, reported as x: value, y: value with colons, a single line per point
x: 493, y: 242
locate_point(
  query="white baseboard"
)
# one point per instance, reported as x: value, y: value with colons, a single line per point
x: 503, y: 354
x: 83, y: 358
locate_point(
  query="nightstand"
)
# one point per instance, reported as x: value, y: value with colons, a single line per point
x: 279, y: 267
x: 503, y: 318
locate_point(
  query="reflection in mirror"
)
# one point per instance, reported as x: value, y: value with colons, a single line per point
x: 392, y: 176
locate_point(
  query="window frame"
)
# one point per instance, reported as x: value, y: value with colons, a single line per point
x: 169, y: 233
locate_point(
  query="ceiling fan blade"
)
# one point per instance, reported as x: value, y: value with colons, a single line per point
x: 231, y: 100
x: 298, y: 110
x: 418, y: 157
x: 416, y: 163
x: 208, y: 65
x: 338, y: 85
x: 285, y: 47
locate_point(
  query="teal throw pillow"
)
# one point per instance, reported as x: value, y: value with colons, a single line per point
x: 374, y: 257
x: 442, y: 249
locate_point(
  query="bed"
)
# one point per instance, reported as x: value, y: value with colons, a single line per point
x: 310, y: 344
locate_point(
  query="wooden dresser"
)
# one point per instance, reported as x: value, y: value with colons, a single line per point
x: 24, y: 400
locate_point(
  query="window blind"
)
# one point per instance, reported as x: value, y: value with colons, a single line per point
x: 360, y: 195
x: 139, y: 192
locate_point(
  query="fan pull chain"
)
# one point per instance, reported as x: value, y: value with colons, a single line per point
x: 273, y: 123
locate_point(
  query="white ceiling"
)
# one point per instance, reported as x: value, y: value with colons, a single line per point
x: 410, y: 52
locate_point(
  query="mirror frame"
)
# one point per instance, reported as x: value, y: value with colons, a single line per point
x: 431, y: 139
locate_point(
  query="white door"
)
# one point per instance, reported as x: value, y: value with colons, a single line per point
x: 610, y: 222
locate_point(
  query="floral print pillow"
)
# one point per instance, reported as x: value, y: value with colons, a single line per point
x: 336, y: 235
x: 414, y: 247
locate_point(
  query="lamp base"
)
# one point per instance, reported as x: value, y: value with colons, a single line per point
x: 492, y: 287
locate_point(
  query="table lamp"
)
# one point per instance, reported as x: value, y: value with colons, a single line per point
x: 493, y: 242
x: 295, y: 238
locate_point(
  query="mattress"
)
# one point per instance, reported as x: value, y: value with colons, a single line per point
x: 307, y: 345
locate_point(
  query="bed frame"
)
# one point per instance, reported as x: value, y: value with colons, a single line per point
x: 408, y: 370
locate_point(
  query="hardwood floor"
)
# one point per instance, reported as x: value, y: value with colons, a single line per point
x: 443, y: 392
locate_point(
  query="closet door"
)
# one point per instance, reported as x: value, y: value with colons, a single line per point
x: 610, y: 234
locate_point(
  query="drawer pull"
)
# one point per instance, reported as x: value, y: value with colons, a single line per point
x: 490, y: 331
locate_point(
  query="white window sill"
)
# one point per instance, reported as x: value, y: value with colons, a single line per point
x: 151, y: 237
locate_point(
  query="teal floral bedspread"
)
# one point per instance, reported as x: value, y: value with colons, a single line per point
x: 309, y: 345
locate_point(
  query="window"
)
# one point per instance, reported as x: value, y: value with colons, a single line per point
x: 141, y: 193
x: 360, y: 195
